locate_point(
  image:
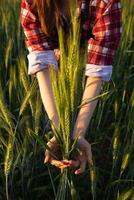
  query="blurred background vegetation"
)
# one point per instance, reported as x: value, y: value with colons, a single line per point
x: 23, y: 176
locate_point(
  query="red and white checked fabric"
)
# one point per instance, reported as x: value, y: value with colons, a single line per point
x: 104, y: 20
x: 105, y: 17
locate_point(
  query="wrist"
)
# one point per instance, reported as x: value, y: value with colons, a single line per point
x: 78, y: 131
x: 78, y: 135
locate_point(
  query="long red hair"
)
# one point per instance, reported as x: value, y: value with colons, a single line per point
x: 49, y: 13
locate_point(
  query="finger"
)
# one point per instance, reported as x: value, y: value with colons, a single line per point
x: 58, y: 163
x: 65, y: 165
x: 89, y: 156
x: 61, y: 170
x: 66, y: 162
x: 47, y: 157
x: 74, y: 163
x: 81, y: 169
x: 57, y: 57
x: 90, y: 161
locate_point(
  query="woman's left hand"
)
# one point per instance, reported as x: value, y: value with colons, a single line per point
x: 84, y: 156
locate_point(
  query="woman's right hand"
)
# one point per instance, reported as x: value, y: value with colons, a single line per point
x: 57, y: 54
x: 55, y: 157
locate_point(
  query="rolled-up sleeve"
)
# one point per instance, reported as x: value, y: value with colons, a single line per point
x: 39, y: 60
x: 106, y: 30
x: 103, y: 71
x: 40, y: 47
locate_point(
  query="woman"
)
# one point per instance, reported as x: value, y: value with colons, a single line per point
x: 101, y: 25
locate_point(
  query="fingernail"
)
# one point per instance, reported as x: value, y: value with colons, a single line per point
x: 76, y: 173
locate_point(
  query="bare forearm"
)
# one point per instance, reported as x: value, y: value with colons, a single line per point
x: 45, y: 86
x: 92, y: 89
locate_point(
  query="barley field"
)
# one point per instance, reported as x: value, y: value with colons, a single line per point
x: 25, y: 128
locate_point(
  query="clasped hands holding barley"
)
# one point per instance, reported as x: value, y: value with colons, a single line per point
x: 78, y: 161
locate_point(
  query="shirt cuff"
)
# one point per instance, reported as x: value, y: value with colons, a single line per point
x: 103, y: 71
x: 39, y: 60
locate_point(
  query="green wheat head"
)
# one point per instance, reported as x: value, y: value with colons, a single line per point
x: 68, y: 81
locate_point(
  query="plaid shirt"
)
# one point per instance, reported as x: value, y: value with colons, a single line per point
x: 104, y: 21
